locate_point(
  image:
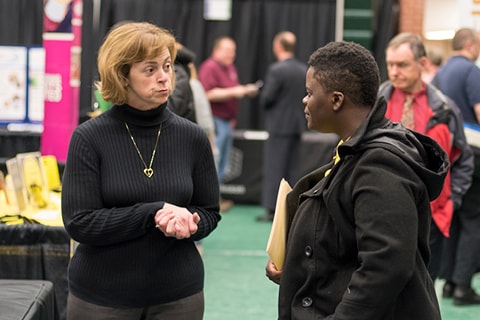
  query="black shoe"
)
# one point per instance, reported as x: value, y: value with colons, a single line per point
x: 265, y: 218
x: 448, y: 289
x: 464, y: 295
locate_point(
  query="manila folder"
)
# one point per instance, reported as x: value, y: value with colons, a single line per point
x: 277, y: 240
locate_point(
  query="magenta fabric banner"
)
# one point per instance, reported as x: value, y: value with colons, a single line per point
x: 62, y: 76
x: 61, y: 113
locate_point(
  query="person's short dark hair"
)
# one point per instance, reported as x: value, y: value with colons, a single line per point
x: 349, y: 68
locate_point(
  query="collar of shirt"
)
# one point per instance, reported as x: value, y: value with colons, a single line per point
x: 422, y: 110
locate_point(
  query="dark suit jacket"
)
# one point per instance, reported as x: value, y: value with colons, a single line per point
x: 282, y: 95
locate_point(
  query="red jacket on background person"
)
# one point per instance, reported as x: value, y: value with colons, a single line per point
x: 442, y: 121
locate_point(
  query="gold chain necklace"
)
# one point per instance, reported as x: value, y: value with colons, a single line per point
x: 148, y: 170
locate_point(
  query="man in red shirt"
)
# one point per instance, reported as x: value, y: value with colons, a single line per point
x: 219, y: 78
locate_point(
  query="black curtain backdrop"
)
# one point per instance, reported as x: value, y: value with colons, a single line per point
x: 253, y: 25
x: 21, y: 22
x: 385, y: 26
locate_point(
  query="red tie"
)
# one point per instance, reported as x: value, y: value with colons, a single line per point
x: 407, y: 114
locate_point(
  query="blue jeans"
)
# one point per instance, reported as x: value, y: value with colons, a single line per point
x: 224, y: 142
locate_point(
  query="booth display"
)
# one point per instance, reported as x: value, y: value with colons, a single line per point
x: 13, y: 65
x: 32, y: 184
x: 33, y: 242
x: 21, y: 86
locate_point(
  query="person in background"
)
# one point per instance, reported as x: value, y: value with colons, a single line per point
x: 459, y: 79
x: 352, y: 252
x: 181, y: 99
x: 192, y: 97
x: 202, y: 108
x: 139, y: 188
x: 424, y: 109
x: 281, y: 98
x: 219, y: 78
x: 433, y: 62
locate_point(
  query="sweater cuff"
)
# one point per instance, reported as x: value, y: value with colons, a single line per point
x: 149, y: 222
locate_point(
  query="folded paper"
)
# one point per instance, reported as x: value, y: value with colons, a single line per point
x: 277, y: 240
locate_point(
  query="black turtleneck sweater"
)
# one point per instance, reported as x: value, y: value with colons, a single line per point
x: 108, y: 205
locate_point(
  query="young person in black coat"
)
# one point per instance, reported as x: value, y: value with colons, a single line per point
x: 358, y: 227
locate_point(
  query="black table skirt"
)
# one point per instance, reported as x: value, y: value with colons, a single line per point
x: 36, y: 252
x: 27, y: 299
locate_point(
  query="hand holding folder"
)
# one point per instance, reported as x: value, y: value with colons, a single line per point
x: 277, y: 240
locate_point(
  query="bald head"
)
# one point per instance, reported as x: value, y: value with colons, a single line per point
x: 462, y: 37
x: 286, y: 40
x: 467, y: 43
x: 284, y: 45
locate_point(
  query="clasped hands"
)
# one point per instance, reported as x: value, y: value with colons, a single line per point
x: 176, y: 222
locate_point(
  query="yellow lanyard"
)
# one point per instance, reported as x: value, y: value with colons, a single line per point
x: 336, y: 157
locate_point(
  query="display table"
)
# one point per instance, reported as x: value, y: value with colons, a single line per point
x: 36, y: 252
x: 27, y: 299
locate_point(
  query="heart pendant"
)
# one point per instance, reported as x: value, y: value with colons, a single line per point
x: 148, y: 172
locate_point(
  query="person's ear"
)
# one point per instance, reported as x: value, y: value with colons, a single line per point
x: 337, y: 100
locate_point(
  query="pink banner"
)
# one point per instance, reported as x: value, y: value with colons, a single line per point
x: 62, y: 84
x: 61, y: 114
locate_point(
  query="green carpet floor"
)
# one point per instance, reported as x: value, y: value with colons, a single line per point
x: 235, y: 284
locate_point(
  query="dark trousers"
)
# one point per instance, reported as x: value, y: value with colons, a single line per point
x: 436, y: 250
x: 189, y: 308
x: 462, y: 249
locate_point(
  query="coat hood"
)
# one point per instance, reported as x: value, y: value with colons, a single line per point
x: 422, y: 153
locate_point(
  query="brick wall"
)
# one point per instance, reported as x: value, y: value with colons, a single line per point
x: 411, y: 20
x: 411, y: 16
